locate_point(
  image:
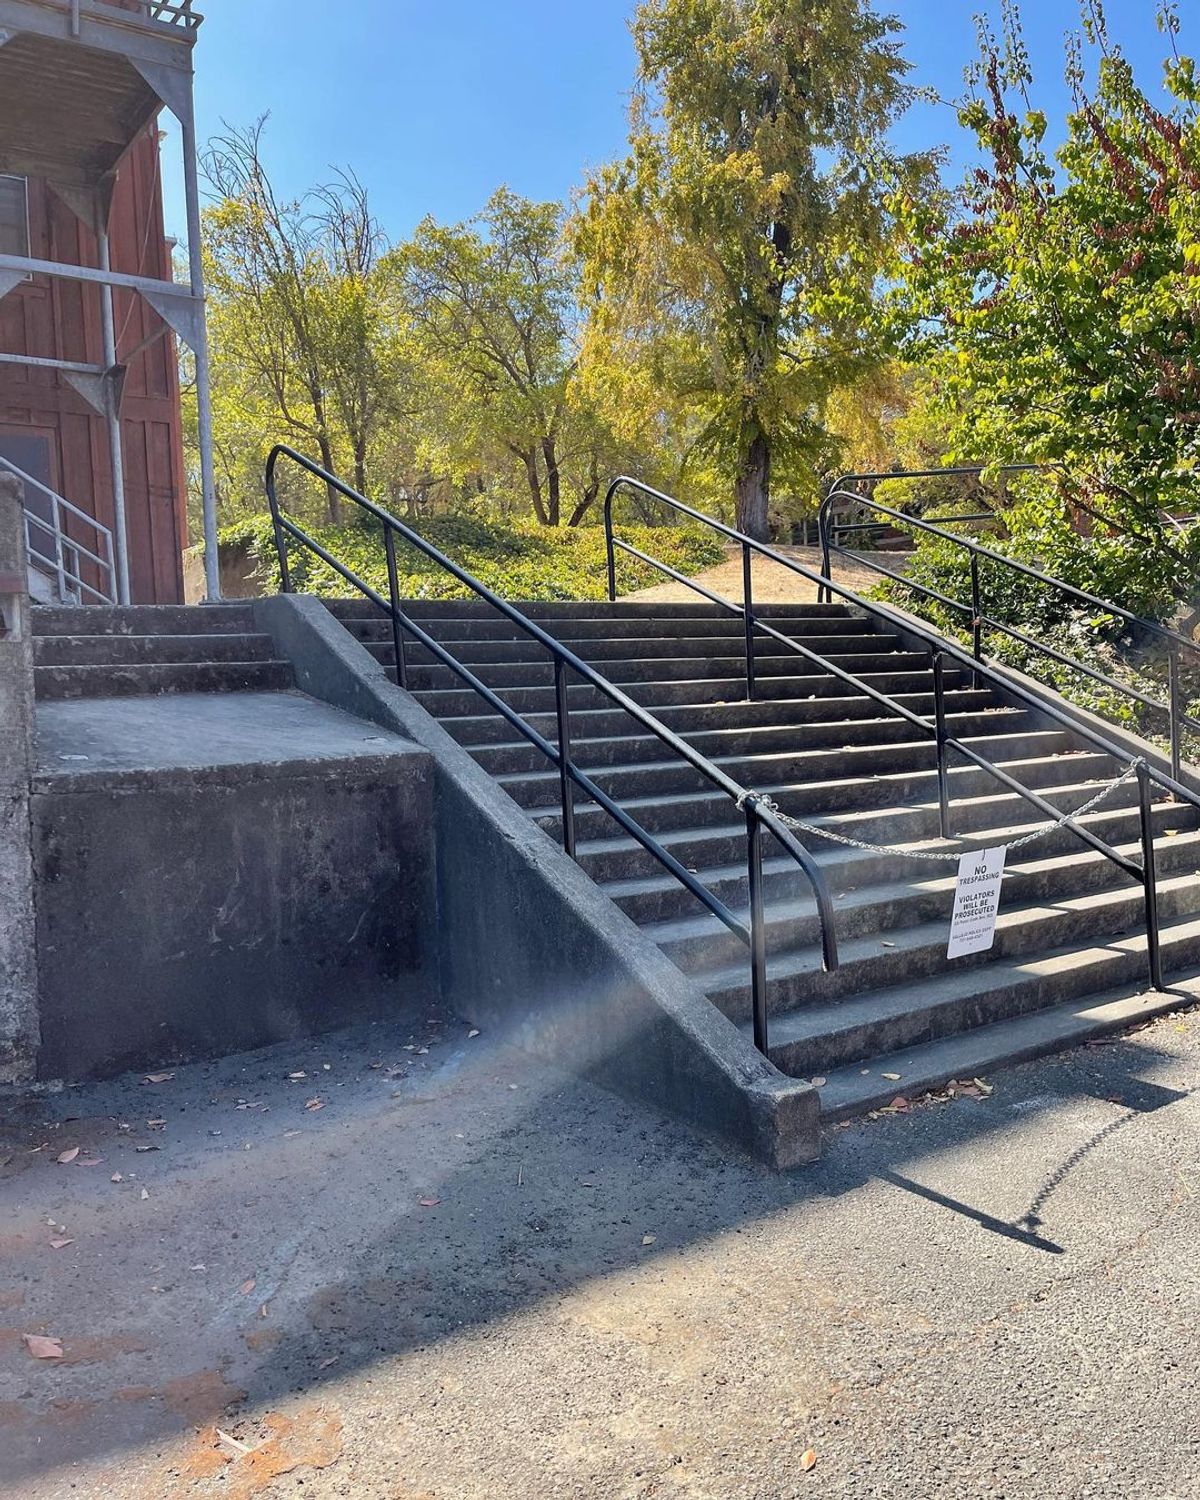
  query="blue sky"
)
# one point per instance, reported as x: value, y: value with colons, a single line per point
x: 435, y: 105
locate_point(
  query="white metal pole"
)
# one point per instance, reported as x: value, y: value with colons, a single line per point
x: 113, y: 411
x: 208, y: 482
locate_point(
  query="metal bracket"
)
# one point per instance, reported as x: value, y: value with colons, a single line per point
x: 181, y: 311
x: 9, y: 280
x: 99, y: 390
x: 172, y: 86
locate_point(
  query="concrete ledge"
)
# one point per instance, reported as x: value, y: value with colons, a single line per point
x: 530, y: 944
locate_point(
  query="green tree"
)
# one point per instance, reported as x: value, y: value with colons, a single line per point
x: 494, y: 308
x: 303, y: 345
x: 1056, y: 303
x: 733, y: 254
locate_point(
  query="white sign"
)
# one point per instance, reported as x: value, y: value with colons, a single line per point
x: 976, y: 901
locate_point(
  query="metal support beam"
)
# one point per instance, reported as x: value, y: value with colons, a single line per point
x: 65, y: 366
x: 174, y: 303
x: 112, y: 411
x: 199, y: 343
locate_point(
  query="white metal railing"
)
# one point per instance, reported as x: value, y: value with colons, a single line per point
x: 172, y: 12
x: 61, y: 557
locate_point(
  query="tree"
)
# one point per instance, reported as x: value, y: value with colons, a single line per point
x: 1056, y: 304
x: 493, y: 303
x: 297, y: 308
x: 733, y: 254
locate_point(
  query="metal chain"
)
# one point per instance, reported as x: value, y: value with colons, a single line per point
x: 941, y: 854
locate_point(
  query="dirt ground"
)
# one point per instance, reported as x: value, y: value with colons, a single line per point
x: 413, y: 1264
x: 770, y: 583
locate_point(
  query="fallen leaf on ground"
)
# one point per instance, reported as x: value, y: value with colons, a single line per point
x: 68, y: 1156
x: 158, y: 1077
x: 819, y: 1083
x: 314, y: 1104
x: 296, y: 1077
x: 42, y: 1348
x: 648, y: 1239
x: 288, y: 1134
x: 145, y: 1194
x: 808, y: 1460
x: 332, y: 1360
x: 891, y: 1076
x: 248, y: 1286
x: 470, y: 1034
x: 429, y: 1202
x: 116, y: 1177
x: 60, y: 1244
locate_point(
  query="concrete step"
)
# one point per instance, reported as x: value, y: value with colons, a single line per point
x: 668, y: 669
x: 572, y: 609
x: 578, y: 634
x: 978, y: 1051
x: 136, y: 650
x: 452, y: 704
x: 143, y: 619
x: 750, y: 741
x: 834, y: 794
x: 610, y: 655
x: 905, y: 893
x: 909, y: 955
x: 179, y: 677
x: 534, y: 789
x: 622, y: 859
x: 473, y: 730
x: 854, y: 874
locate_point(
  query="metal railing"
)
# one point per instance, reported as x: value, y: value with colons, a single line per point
x: 1176, y: 645
x: 61, y: 557
x: 942, y: 649
x: 757, y: 817
x: 171, y: 12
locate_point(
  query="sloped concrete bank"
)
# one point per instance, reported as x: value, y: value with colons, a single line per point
x: 528, y: 943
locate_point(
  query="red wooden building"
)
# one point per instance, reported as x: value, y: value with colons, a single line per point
x: 89, y: 309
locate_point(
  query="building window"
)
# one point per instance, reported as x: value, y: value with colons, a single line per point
x: 14, y: 215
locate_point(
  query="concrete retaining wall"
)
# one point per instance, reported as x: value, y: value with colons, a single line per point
x: 529, y: 943
x: 18, y: 964
x: 185, y: 915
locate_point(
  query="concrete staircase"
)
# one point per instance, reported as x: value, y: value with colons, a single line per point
x: 108, y: 652
x: 897, y: 1017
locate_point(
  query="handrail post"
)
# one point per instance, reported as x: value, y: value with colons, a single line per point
x: 758, y: 932
x: 565, y: 784
x: 389, y: 546
x: 976, y: 617
x: 1149, y: 880
x: 825, y: 595
x: 748, y: 611
x: 939, y: 712
x: 1176, y: 709
x: 610, y: 549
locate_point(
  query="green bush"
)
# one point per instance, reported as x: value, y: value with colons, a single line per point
x: 1109, y: 567
x: 517, y: 562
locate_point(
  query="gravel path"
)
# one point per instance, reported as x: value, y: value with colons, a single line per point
x: 771, y: 583
x: 455, y: 1274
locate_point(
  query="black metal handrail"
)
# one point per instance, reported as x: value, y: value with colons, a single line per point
x: 1175, y: 708
x: 940, y: 648
x: 757, y: 816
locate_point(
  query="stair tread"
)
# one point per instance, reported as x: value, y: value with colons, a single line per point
x: 922, y: 934
x: 848, y: 1091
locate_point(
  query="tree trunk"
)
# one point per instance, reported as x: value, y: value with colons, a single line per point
x: 752, y: 487
x: 535, y: 485
x: 333, y: 499
x: 553, y: 482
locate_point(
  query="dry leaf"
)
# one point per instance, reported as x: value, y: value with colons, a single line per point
x: 42, y: 1348
x: 808, y: 1460
x: 470, y: 1034
x: 68, y: 1156
x: 158, y: 1077
x: 819, y: 1083
x: 891, y: 1076
x: 288, y: 1134
x: 332, y: 1360
x: 296, y: 1077
x: 116, y: 1177
x: 145, y: 1194
x: 314, y: 1104
x: 429, y: 1202
x: 648, y: 1239
x: 248, y: 1286
x: 60, y: 1244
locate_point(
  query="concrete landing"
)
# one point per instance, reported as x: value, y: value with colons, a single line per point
x: 222, y: 870
x: 186, y: 733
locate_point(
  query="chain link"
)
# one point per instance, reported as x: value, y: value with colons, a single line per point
x: 941, y: 854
